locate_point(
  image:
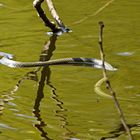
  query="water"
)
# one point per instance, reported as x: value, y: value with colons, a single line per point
x: 66, y: 106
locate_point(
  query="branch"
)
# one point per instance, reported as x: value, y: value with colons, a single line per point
x: 56, y: 17
x: 42, y: 15
x: 57, y: 30
x: 54, y: 13
x: 108, y: 84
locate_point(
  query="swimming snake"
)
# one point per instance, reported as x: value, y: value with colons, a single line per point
x: 91, y: 62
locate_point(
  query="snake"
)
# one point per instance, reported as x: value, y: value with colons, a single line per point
x: 7, y: 60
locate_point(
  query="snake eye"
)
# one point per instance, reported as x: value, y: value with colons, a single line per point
x: 67, y: 30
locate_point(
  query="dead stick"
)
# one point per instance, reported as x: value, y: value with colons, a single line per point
x: 56, y: 17
x: 108, y: 84
x: 54, y: 13
x: 42, y: 15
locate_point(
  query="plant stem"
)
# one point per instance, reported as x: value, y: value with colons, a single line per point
x: 108, y: 84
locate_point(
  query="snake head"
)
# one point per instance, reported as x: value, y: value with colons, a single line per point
x: 59, y: 31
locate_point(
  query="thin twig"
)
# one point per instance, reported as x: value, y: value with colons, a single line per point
x: 108, y: 84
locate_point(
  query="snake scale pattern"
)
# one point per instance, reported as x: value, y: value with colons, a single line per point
x: 91, y: 62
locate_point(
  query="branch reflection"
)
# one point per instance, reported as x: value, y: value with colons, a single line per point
x: 45, y: 75
x: 46, y: 54
x: 119, y: 131
x: 61, y: 114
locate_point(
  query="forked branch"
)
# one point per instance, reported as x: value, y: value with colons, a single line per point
x: 61, y: 27
x: 42, y: 15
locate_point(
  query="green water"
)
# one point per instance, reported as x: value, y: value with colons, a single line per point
x: 69, y: 108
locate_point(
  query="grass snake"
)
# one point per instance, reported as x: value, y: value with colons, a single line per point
x: 91, y: 62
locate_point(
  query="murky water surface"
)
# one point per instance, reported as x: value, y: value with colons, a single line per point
x: 60, y: 102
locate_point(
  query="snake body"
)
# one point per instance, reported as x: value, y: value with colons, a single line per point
x: 91, y: 62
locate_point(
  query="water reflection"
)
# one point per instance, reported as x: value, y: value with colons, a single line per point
x: 7, y: 96
x: 45, y: 75
x: 25, y: 8
x: 61, y: 114
x: 125, y: 53
x: 36, y: 110
x: 119, y: 131
x: 45, y: 79
x: 21, y: 36
x: 46, y: 54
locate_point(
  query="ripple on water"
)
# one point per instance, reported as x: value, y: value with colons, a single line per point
x: 12, y: 104
x: 1, y: 5
x: 5, y: 126
x: 125, y: 53
x: 129, y: 87
x: 25, y: 116
x: 74, y: 139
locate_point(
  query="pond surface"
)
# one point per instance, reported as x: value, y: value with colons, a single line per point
x: 60, y: 103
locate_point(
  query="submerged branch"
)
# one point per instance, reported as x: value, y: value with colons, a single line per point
x: 108, y: 84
